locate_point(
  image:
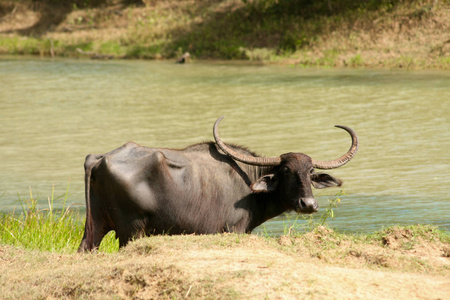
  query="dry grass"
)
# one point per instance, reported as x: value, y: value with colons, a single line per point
x: 397, y: 264
x: 408, y: 37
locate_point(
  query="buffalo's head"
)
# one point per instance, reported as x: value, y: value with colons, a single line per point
x: 293, y: 173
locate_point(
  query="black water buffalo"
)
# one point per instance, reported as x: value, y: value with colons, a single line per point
x: 204, y: 188
x: 183, y: 58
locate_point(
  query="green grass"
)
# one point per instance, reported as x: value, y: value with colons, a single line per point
x: 47, y: 229
x: 305, y: 223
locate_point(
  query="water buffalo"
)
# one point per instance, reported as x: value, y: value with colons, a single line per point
x: 183, y: 58
x: 204, y: 188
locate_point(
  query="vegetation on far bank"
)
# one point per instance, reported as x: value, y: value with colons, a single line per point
x: 390, y: 33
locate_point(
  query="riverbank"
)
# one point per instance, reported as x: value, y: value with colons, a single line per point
x: 399, y: 263
x: 39, y: 260
x: 375, y: 34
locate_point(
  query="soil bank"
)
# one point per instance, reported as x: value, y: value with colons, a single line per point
x: 317, y: 265
x: 377, y: 34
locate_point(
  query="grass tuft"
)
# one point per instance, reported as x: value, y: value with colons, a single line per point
x: 47, y: 229
x: 301, y: 224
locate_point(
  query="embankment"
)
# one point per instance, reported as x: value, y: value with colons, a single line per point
x: 400, y: 263
x: 338, y: 33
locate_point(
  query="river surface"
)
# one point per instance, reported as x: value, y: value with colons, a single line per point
x: 55, y: 112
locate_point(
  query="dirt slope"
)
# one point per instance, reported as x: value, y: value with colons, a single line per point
x: 315, y: 266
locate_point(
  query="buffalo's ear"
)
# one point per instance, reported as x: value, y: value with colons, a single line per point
x: 266, y: 183
x: 321, y: 181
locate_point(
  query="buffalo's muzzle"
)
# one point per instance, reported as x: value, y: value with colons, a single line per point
x: 308, y: 205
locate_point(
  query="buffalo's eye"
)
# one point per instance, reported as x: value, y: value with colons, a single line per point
x: 286, y: 170
x: 311, y: 171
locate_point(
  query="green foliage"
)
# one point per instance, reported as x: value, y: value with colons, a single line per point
x: 356, y: 60
x: 109, y: 244
x: 140, y: 52
x: 329, y: 210
x: 71, y: 3
x: 292, y: 42
x: 17, y: 45
x: 311, y: 33
x: 284, y: 25
x: 301, y: 223
x: 310, y: 8
x: 44, y: 229
x: 110, y: 48
x: 47, y: 229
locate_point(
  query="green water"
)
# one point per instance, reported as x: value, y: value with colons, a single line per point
x: 55, y: 112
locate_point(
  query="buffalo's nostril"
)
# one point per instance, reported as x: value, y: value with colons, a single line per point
x: 302, y: 203
x: 308, y: 205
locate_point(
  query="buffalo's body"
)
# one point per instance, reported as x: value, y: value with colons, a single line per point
x: 205, y: 188
x: 137, y: 190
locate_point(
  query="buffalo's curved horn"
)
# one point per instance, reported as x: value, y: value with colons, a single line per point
x: 251, y: 160
x: 344, y: 158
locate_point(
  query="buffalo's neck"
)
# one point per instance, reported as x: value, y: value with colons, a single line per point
x: 262, y: 206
